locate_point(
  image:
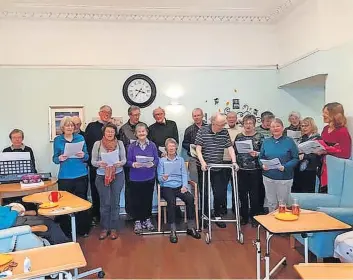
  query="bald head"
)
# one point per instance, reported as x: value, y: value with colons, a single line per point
x: 218, y: 122
x: 77, y: 123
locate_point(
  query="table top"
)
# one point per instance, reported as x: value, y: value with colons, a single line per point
x: 16, y: 187
x: 67, y: 204
x: 48, y: 260
x: 309, y: 221
x: 325, y: 270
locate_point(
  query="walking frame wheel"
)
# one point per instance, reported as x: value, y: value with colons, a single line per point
x: 101, y: 274
x: 207, y: 238
x: 284, y: 263
x: 241, y: 238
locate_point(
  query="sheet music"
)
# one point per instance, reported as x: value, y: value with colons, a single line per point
x: 244, y: 147
x: 294, y: 134
x: 9, y: 156
x: 271, y: 163
x: 144, y: 159
x: 193, y: 150
x: 172, y: 168
x: 71, y: 149
x: 310, y: 146
x: 110, y: 158
x: 162, y: 150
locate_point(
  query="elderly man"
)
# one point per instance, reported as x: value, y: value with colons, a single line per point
x: 189, y: 138
x: 94, y: 133
x: 211, y: 140
x: 264, y: 128
x: 77, y: 123
x: 233, y: 129
x: 127, y: 135
x: 162, y: 129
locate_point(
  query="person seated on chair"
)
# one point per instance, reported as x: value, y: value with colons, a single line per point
x: 16, y: 136
x: 16, y: 215
x: 174, y: 185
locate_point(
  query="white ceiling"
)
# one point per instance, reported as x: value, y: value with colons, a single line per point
x: 251, y: 10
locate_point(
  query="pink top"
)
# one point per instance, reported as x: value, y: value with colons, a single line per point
x: 339, y: 137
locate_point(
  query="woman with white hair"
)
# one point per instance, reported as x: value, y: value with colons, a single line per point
x: 173, y: 179
x: 73, y: 174
x: 294, y: 119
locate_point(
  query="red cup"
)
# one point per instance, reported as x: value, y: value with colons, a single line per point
x: 295, y: 209
x: 54, y: 196
x: 282, y: 208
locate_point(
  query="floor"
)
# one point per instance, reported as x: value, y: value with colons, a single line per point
x: 132, y: 256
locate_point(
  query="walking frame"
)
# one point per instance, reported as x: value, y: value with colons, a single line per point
x: 204, y: 217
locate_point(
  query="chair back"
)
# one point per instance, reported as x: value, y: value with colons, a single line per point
x: 335, y: 174
x: 347, y: 192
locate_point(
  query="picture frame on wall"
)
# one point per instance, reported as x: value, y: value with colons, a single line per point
x: 57, y: 113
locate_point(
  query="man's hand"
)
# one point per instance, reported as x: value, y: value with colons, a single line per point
x: 301, y: 156
x: 203, y: 166
x: 183, y: 190
x: 80, y: 154
x: 165, y: 177
x: 62, y: 158
x: 136, y: 165
x: 236, y: 166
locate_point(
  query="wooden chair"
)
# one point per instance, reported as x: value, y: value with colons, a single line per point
x: 163, y: 204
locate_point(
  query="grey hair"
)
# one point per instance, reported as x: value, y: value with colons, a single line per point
x: 171, y: 141
x: 294, y: 114
x: 16, y: 130
x: 64, y: 121
x: 197, y: 109
x: 232, y: 113
x: 139, y: 125
x: 158, y: 108
x: 217, y: 115
x: 278, y: 120
x: 132, y: 108
x: 105, y: 107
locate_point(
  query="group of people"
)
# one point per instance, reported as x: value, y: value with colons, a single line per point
x: 215, y: 143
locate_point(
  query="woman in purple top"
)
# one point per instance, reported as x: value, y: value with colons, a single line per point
x: 142, y: 177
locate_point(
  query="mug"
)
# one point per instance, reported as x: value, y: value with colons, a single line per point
x: 54, y: 196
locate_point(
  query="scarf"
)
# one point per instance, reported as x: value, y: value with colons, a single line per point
x: 109, y: 146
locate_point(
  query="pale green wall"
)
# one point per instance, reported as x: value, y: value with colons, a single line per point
x: 27, y: 94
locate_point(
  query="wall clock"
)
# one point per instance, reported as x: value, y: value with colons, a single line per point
x: 139, y: 90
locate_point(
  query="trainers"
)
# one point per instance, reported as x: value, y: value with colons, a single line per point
x: 147, y: 225
x: 137, y: 227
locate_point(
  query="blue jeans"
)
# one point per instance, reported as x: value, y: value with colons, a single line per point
x: 109, y: 197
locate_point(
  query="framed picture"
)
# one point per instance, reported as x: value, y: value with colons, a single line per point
x: 57, y: 113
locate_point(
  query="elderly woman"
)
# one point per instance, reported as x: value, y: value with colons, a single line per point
x: 249, y: 174
x: 72, y: 176
x: 173, y: 179
x: 142, y: 178
x: 278, y: 179
x: 336, y: 137
x: 305, y: 173
x: 16, y: 136
x: 109, y: 180
x: 294, y: 120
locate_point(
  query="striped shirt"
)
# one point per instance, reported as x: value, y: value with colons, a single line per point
x: 213, y: 144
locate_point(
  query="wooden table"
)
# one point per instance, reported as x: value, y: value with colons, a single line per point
x: 69, y: 204
x: 48, y: 260
x: 15, y: 190
x: 308, y: 222
x: 325, y: 270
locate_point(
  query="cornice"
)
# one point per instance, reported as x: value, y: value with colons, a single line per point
x: 116, y: 16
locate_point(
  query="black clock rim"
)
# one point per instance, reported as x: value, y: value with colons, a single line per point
x: 148, y: 80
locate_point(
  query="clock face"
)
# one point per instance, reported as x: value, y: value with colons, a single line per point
x: 139, y: 90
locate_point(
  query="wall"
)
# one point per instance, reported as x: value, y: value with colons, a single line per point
x: 135, y: 45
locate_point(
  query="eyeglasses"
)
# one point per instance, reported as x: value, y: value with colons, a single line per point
x: 10, y: 266
x: 69, y: 125
x: 304, y: 125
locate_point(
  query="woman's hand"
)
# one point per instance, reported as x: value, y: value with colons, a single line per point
x: 102, y: 164
x: 301, y: 156
x: 264, y: 167
x: 136, y: 165
x: 183, y: 190
x: 80, y: 154
x: 149, y: 164
x: 254, y: 153
x: 281, y: 168
x: 164, y: 154
x: 62, y: 158
x: 118, y: 164
x: 320, y: 152
x: 165, y: 177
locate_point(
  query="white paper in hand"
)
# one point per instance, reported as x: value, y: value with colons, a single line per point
x: 244, y: 147
x: 271, y: 163
x: 144, y: 159
x: 172, y: 168
x: 193, y: 150
x: 71, y: 149
x: 162, y: 150
x: 294, y: 134
x: 110, y: 158
x: 310, y: 146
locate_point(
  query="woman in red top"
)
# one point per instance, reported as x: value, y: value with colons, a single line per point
x: 336, y: 137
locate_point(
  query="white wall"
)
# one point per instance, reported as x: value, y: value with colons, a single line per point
x: 135, y: 45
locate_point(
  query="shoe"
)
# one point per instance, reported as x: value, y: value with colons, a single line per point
x: 243, y: 221
x: 113, y: 234
x: 147, y: 225
x: 173, y: 238
x: 137, y: 227
x: 193, y: 233
x: 104, y: 234
x: 220, y: 224
x: 95, y: 221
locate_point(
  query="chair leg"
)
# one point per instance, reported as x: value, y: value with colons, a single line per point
x: 165, y: 214
x: 292, y: 242
x: 197, y: 216
x: 159, y: 218
x: 185, y: 217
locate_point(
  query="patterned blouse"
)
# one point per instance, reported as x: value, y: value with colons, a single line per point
x: 246, y: 161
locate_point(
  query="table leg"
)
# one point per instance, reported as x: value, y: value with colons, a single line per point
x: 258, y: 254
x: 73, y: 236
x: 306, y: 247
x: 267, y: 255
